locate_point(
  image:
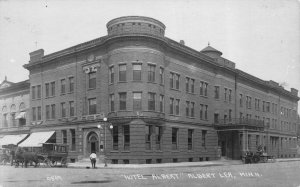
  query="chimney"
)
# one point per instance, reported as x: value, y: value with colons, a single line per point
x: 182, y: 42
x: 36, y: 56
x: 294, y: 91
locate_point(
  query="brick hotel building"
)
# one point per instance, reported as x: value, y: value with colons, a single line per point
x: 164, y: 102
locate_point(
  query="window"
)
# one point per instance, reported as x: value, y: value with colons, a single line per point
x: 187, y: 80
x: 177, y: 107
x: 52, y: 88
x: 13, y: 120
x: 171, y: 105
x: 205, y: 112
x: 111, y: 75
x: 64, y: 136
x: 112, y: 102
x: 248, y: 102
x: 241, y: 100
x: 47, y: 90
x: 71, y: 84
x: 225, y: 94
x: 230, y: 95
x: 192, y: 109
x: 39, y: 91
x: 39, y: 113
x: 190, y: 139
x: 203, y: 88
x: 267, y: 106
x: 216, y: 118
x: 187, y: 109
x: 122, y: 72
x: 33, y: 115
x: 53, y: 111
x: 122, y: 97
x: 115, y: 138
x: 47, y: 111
x: 63, y: 86
x: 204, y: 133
x: 63, y: 110
x: 137, y: 72
x: 161, y: 103
x: 72, y: 108
x: 230, y: 115
x: 73, y: 140
x: 158, y: 135
x: 201, y: 111
x: 126, y: 133
x: 192, y: 85
x: 92, y: 80
x: 148, y: 137
x: 151, y: 101
x: 161, y: 75
x: 174, y: 78
x: 217, y: 89
x: 33, y: 92
x: 177, y: 81
x: 171, y: 80
x: 174, y: 138
x: 92, y: 103
x: 151, y: 73
x: 137, y: 101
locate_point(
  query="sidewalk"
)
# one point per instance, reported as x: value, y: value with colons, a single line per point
x: 221, y: 162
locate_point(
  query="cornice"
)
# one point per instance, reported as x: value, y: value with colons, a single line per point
x: 166, y: 42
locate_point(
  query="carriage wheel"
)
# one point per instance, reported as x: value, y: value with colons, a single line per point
x: 255, y: 159
x: 52, y: 163
x: 64, y: 162
x: 47, y: 162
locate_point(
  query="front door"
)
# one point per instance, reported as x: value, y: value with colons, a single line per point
x: 92, y: 143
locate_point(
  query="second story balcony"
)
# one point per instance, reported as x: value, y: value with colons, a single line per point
x: 239, y: 124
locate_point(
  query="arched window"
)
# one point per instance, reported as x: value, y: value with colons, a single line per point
x: 22, y: 106
x: 4, y: 109
x: 13, y: 108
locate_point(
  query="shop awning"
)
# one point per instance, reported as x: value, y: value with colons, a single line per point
x: 12, y: 139
x: 21, y: 115
x: 36, y: 139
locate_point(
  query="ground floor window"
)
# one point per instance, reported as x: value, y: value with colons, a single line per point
x: 126, y: 136
x: 174, y: 138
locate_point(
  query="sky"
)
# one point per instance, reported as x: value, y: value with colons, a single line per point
x: 261, y: 36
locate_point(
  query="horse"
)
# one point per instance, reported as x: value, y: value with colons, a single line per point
x: 24, y: 157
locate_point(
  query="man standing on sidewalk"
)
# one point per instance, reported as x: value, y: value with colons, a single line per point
x: 93, y: 158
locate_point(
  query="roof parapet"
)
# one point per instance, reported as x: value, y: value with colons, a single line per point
x: 36, y: 56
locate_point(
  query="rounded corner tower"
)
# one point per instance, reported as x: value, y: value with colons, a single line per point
x: 135, y: 25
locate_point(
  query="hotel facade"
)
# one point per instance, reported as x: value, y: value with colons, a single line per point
x: 136, y: 96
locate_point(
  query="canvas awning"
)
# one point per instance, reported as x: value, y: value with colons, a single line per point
x: 36, y: 139
x: 21, y: 115
x: 12, y: 139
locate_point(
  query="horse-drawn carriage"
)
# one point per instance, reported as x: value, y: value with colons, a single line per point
x: 4, y: 156
x: 49, y: 155
x: 259, y: 156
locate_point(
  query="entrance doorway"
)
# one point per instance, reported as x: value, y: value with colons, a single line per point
x: 92, y: 143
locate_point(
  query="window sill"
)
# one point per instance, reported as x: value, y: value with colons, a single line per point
x: 140, y: 81
x: 71, y: 92
x: 89, y: 89
x: 161, y: 84
x: 122, y: 82
x: 49, y: 97
x: 190, y: 93
x: 151, y: 82
x: 175, y: 151
x: 205, y: 96
x: 175, y: 89
x: 174, y: 115
x: 190, y: 151
x: 62, y: 94
x: 114, y: 151
x: 190, y: 117
x: 125, y: 151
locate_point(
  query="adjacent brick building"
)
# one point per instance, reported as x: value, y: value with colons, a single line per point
x: 164, y: 101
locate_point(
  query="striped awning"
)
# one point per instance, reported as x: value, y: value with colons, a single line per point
x: 36, y: 139
x: 21, y: 115
x: 12, y: 139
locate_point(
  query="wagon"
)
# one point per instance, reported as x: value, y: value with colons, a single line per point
x: 257, y: 157
x: 53, y: 154
x: 4, y: 156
